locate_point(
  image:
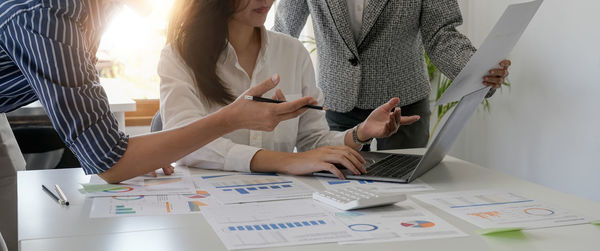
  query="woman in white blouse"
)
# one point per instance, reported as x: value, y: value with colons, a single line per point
x: 217, y: 50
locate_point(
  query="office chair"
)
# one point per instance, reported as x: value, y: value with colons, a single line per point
x: 3, y: 246
x: 43, y: 148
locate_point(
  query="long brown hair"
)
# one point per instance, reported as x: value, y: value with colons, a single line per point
x: 198, y: 31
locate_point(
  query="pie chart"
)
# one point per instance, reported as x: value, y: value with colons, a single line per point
x: 363, y: 227
x: 538, y: 211
x: 128, y: 197
x: 418, y: 224
x: 120, y: 189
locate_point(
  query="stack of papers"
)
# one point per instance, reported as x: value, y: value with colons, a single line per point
x: 147, y: 196
x: 300, y: 222
x: 501, y: 210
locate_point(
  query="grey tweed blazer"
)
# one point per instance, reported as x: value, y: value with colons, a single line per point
x: 387, y: 61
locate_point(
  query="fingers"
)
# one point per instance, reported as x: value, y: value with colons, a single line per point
x: 168, y: 170
x: 332, y: 169
x: 496, y: 77
x: 293, y: 106
x: 390, y: 104
x: 407, y: 120
x: 347, y: 157
x: 494, y: 82
x: 355, y: 160
x: 292, y: 115
x: 153, y: 174
x: 279, y: 95
x: 263, y: 87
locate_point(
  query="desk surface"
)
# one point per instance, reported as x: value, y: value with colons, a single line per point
x: 43, y: 225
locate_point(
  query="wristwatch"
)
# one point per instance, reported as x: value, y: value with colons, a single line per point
x: 355, y: 137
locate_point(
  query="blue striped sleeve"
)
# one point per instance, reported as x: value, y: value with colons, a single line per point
x: 49, y: 48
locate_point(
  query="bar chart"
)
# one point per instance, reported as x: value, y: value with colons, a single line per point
x: 277, y: 226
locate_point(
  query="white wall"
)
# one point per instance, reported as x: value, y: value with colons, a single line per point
x: 546, y: 127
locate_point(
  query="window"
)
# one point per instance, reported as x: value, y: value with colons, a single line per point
x: 130, y: 49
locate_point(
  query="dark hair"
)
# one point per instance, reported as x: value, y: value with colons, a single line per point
x: 198, y: 31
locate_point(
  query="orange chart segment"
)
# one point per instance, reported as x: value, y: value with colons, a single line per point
x: 418, y: 224
x: 486, y: 215
x: 161, y: 181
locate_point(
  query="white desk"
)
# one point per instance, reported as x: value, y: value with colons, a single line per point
x: 43, y: 225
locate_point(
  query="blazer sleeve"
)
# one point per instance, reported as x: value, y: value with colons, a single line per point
x: 181, y: 104
x: 291, y: 16
x: 447, y: 48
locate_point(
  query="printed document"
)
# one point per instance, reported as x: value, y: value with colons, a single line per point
x: 272, y: 224
x: 180, y: 182
x: 150, y: 205
x: 496, y: 47
x: 404, y: 221
x: 231, y: 188
x: 498, y: 209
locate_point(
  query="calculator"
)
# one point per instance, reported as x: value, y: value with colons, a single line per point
x: 355, y: 198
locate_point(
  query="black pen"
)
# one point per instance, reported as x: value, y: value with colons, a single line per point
x: 268, y: 100
x: 62, y: 202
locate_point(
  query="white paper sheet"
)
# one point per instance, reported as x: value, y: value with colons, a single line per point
x: 381, y: 187
x: 499, y: 209
x: 244, y: 187
x: 150, y: 205
x: 496, y: 47
x: 403, y: 221
x: 180, y: 182
x: 271, y: 224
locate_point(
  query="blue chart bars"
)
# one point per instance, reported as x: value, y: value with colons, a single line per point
x: 337, y: 182
x: 277, y: 226
x: 248, y: 188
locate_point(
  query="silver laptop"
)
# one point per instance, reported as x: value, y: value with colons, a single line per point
x: 404, y: 168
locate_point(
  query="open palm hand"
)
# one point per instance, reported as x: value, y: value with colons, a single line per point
x: 384, y: 121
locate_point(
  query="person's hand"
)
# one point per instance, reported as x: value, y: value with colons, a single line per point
x: 496, y: 77
x: 253, y: 115
x: 324, y: 159
x: 168, y: 170
x: 384, y: 121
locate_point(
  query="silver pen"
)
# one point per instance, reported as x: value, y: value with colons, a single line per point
x: 62, y: 195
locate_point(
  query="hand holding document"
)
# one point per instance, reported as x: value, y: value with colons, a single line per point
x: 496, y: 47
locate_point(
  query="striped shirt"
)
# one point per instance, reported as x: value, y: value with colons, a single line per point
x: 47, y: 53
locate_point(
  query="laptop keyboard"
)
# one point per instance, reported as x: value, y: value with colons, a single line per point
x: 394, y: 166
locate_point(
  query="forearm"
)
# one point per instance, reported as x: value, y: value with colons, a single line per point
x: 265, y: 161
x: 153, y: 151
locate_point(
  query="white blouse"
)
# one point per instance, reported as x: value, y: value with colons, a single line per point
x: 181, y: 103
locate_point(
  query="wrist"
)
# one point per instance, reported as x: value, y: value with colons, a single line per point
x: 227, y: 118
x: 360, y: 135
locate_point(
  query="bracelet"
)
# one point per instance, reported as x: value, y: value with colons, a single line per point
x: 355, y: 137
